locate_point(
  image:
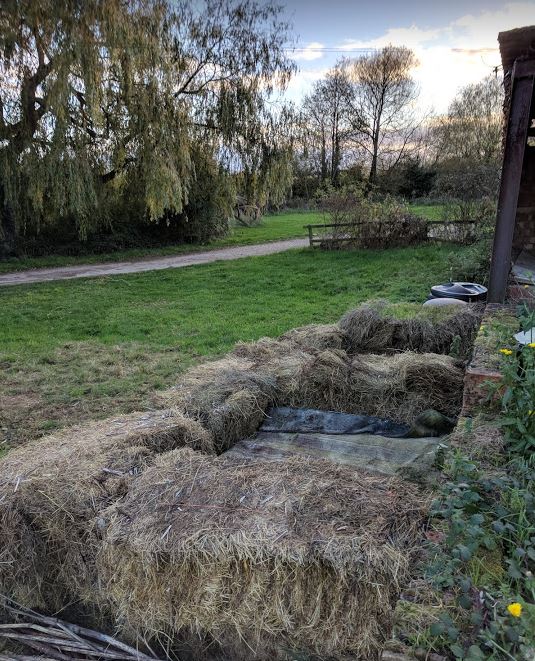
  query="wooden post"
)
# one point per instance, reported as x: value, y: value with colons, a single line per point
x: 515, y: 143
x: 310, y: 235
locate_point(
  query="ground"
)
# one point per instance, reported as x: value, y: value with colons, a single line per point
x: 85, y: 349
x: 275, y: 227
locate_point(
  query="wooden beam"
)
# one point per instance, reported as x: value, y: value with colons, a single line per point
x: 513, y: 159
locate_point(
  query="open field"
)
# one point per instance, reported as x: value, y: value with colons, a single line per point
x: 276, y: 227
x: 84, y: 349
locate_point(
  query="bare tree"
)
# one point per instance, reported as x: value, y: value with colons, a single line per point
x: 327, y: 115
x: 472, y: 128
x: 384, y: 122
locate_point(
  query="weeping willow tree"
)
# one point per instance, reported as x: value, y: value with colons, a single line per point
x: 261, y: 150
x: 114, y: 97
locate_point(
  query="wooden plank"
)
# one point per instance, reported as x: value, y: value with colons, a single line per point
x: 515, y: 145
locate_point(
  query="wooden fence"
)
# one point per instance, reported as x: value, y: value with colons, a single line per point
x: 461, y: 231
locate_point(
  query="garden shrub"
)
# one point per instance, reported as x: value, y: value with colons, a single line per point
x: 366, y: 223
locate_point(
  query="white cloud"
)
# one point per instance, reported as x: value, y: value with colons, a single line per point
x: 411, y: 37
x: 450, y: 57
x: 468, y: 51
x: 313, y: 51
x: 302, y: 82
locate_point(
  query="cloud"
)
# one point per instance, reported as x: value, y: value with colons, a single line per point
x: 463, y: 52
x: 302, y: 83
x: 411, y: 37
x: 450, y: 57
x: 313, y: 51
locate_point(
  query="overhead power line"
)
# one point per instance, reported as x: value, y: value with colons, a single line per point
x: 340, y: 49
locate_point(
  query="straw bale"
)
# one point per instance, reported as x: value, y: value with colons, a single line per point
x: 316, y: 336
x: 269, y: 560
x: 228, y: 397
x: 372, y: 327
x: 305, y: 338
x: 264, y: 350
x: 398, y: 387
x: 52, y: 490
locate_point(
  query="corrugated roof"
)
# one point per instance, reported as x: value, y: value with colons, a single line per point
x: 516, y: 43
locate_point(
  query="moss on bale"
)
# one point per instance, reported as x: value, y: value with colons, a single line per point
x: 379, y: 326
x: 263, y: 558
x: 53, y: 489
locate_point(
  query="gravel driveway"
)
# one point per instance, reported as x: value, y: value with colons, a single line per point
x: 156, y: 264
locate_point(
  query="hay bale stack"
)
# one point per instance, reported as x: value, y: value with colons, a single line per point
x: 228, y: 397
x: 53, y: 490
x: 305, y: 338
x: 263, y: 558
x: 397, y: 387
x: 374, y: 327
x: 316, y: 336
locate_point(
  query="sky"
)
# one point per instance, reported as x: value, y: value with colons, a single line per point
x: 455, y: 41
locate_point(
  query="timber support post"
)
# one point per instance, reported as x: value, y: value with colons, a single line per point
x: 518, y: 124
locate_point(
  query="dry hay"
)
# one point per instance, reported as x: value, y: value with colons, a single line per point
x: 480, y: 439
x: 305, y: 338
x: 262, y: 558
x: 300, y: 553
x: 264, y: 350
x: 373, y: 328
x: 228, y: 397
x: 316, y: 336
x: 52, y: 490
x: 398, y: 387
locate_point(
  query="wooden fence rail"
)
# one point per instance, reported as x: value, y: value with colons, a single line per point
x: 325, y: 239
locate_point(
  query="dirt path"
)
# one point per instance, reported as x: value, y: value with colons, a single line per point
x: 156, y: 264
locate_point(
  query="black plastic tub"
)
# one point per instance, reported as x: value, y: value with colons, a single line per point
x: 470, y: 292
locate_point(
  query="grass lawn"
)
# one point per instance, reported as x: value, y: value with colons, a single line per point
x: 429, y: 211
x: 82, y: 349
x: 275, y: 227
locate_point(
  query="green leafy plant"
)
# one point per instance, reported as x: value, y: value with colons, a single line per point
x: 484, y: 513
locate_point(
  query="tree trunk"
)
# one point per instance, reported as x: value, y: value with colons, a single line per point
x: 373, y: 168
x: 323, y: 157
x: 336, y: 161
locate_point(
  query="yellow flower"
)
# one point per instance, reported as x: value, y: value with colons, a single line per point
x: 531, y: 345
x: 506, y: 352
x: 515, y: 609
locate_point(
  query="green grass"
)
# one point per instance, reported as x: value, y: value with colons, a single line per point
x: 275, y: 227
x: 429, y: 211
x: 81, y: 349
